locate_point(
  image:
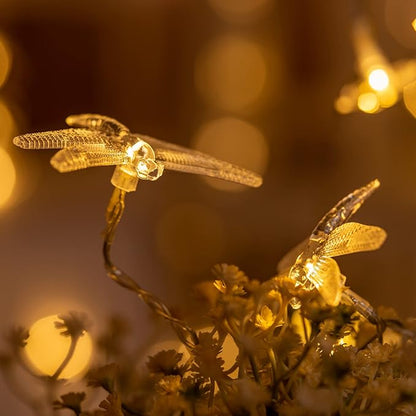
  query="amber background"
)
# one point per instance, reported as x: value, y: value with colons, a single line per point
x: 134, y: 60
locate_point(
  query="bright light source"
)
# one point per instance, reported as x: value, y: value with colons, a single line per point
x: 368, y: 102
x: 414, y: 24
x: 378, y: 79
x: 46, y: 349
x: 409, y: 97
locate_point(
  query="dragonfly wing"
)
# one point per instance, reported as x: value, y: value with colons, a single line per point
x: 107, y: 125
x: 328, y: 280
x: 68, y: 160
x: 353, y: 237
x: 289, y: 259
x: 181, y: 159
x: 158, y: 144
x: 345, y: 208
x: 58, y: 139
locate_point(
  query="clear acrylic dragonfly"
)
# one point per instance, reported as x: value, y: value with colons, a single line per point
x: 102, y: 141
x: 96, y: 140
x: 310, y: 264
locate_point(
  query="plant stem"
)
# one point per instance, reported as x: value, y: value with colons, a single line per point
x: 70, y: 353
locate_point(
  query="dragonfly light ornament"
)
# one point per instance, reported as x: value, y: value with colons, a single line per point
x: 380, y: 83
x: 96, y: 140
x: 311, y: 266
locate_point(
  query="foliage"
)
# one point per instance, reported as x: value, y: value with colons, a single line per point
x: 317, y: 360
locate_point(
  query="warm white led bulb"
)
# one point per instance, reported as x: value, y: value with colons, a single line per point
x: 378, y: 79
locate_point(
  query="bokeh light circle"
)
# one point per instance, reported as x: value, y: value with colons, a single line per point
x: 368, y: 102
x: 7, y: 177
x: 236, y: 141
x: 231, y: 73
x: 46, y: 349
x: 378, y: 79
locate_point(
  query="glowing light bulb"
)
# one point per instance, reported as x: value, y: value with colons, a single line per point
x: 368, y: 102
x: 378, y: 79
x: 47, y: 348
x: 7, y: 177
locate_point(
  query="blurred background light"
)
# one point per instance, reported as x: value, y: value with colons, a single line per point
x: 5, y: 60
x: 236, y: 141
x: 347, y: 100
x: 398, y: 15
x: 7, y: 177
x: 190, y: 238
x: 368, y: 102
x: 378, y: 79
x: 231, y: 72
x: 237, y: 11
x: 46, y: 349
x: 409, y: 97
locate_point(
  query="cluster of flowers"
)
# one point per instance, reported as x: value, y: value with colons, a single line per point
x: 315, y: 360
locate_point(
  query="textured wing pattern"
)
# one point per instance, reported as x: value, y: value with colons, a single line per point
x: 58, y: 139
x: 202, y: 164
x: 76, y: 158
x: 107, y: 125
x: 345, y: 208
x: 353, y: 237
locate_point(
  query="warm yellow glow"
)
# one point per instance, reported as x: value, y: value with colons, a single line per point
x: 47, y: 348
x: 265, y: 319
x: 236, y: 141
x: 240, y: 10
x: 409, y: 97
x: 344, y: 105
x: 5, y: 61
x: 368, y: 102
x: 231, y: 73
x: 7, y: 177
x: 348, y: 340
x: 309, y: 266
x: 378, y: 79
x: 388, y: 97
x: 301, y: 325
x: 414, y: 24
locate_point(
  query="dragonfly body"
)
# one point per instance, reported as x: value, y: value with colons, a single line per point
x: 313, y: 266
x: 102, y: 141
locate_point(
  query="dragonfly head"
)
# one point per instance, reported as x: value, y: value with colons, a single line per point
x: 140, y: 164
x: 301, y: 271
x: 142, y: 158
